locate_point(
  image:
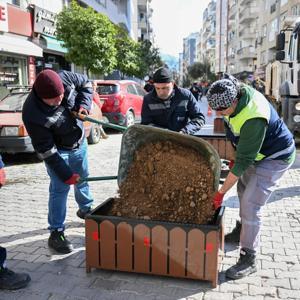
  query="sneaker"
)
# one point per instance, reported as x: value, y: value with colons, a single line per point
x: 10, y: 280
x: 234, y: 235
x: 59, y: 243
x: 82, y: 214
x: 246, y: 265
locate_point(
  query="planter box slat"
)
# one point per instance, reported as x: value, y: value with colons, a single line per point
x: 211, y: 250
x: 177, y: 252
x: 159, y: 250
x: 124, y: 247
x: 195, y: 263
x: 92, y: 242
x: 141, y: 248
x: 107, y: 245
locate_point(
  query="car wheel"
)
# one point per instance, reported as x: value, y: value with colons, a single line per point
x: 95, y: 135
x: 130, y: 120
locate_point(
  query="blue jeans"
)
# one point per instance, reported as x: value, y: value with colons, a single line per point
x: 58, y: 190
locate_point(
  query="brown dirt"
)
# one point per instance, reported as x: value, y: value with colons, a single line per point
x: 166, y: 182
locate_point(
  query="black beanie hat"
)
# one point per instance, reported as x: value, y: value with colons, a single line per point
x: 48, y: 85
x: 162, y: 75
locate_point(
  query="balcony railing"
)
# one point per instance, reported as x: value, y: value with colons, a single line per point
x: 246, y: 52
x: 247, y: 33
x: 248, y: 14
x: 232, y: 12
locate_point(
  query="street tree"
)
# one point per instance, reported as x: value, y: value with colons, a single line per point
x: 89, y: 37
x: 127, y: 53
x: 149, y: 58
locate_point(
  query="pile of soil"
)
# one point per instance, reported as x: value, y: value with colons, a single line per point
x: 166, y: 182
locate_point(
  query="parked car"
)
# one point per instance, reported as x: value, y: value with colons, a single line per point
x: 122, y: 101
x: 13, y: 134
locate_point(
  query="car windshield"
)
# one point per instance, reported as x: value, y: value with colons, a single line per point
x: 107, y: 89
x: 13, y: 102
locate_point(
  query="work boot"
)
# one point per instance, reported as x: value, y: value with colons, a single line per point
x: 10, y: 280
x: 246, y: 265
x: 59, y: 243
x: 234, y: 235
x: 82, y: 214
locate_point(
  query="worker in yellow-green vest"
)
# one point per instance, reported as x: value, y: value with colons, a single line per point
x: 265, y: 149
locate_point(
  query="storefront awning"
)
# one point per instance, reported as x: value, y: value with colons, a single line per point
x: 54, y: 44
x: 19, y: 46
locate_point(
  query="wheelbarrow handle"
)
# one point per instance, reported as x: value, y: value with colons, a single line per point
x: 84, y: 117
x: 99, y: 178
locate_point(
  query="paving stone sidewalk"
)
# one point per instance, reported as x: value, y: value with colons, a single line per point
x: 23, y: 223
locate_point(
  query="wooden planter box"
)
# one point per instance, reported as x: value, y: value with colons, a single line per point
x: 152, y: 247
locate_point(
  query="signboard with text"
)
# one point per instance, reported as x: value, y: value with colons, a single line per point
x: 3, y: 16
x: 44, y: 21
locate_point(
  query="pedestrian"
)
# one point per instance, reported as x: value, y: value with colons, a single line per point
x: 265, y: 149
x: 96, y: 99
x: 196, y: 90
x: 171, y: 107
x: 9, y: 280
x: 148, y: 87
x: 58, y: 139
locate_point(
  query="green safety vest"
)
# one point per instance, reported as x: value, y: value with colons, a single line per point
x: 258, y: 107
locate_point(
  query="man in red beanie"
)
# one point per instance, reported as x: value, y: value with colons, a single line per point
x: 58, y: 139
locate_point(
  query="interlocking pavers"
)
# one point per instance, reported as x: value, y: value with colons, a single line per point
x: 23, y: 223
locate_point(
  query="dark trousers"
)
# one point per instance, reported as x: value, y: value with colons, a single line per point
x: 2, y: 256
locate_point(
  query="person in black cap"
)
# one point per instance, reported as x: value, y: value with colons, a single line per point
x: 58, y: 138
x: 171, y: 107
x: 9, y: 280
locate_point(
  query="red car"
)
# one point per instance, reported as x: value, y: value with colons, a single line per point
x: 122, y: 101
x: 13, y: 135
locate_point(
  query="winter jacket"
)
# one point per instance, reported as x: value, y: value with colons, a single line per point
x: 52, y: 128
x: 181, y: 112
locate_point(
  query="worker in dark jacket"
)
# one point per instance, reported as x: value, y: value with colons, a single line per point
x: 265, y: 149
x: 168, y: 106
x: 9, y: 280
x: 58, y: 139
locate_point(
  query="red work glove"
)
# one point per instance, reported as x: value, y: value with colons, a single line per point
x: 2, y: 177
x: 218, y: 199
x: 231, y: 164
x: 73, y: 179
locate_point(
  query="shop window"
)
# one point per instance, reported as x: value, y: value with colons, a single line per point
x: 13, y: 71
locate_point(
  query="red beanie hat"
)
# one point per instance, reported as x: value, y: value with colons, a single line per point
x: 48, y: 84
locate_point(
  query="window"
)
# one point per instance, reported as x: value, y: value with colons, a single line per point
x: 131, y: 89
x: 296, y: 10
x: 273, y: 29
x: 140, y: 91
x: 264, y: 30
x: 107, y: 89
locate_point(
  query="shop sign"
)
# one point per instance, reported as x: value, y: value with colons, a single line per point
x: 3, y: 16
x: 31, y: 70
x: 44, y: 21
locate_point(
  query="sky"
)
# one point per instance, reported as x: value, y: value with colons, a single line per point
x: 174, y: 20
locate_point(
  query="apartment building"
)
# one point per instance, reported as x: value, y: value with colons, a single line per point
x: 144, y: 14
x: 208, y: 37
x: 271, y: 21
x: 241, y: 36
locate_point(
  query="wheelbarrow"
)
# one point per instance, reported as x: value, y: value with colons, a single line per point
x: 155, y: 247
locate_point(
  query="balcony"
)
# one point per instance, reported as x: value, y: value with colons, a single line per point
x: 245, y: 2
x: 232, y: 12
x: 247, y: 33
x: 248, y: 14
x: 246, y: 53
